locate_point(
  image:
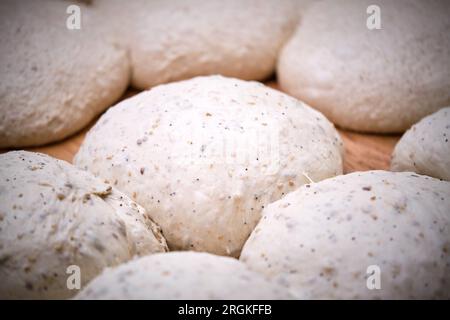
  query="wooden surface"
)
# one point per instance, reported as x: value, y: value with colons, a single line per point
x: 362, y: 151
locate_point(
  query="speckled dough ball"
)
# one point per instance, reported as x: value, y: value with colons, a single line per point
x: 53, y: 80
x: 204, y: 156
x: 172, y: 40
x: 425, y: 148
x: 182, y: 275
x: 368, y: 235
x: 368, y: 79
x: 53, y: 216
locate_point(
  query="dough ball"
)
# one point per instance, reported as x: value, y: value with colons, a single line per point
x: 371, y: 80
x: 172, y: 40
x: 181, y: 276
x: 52, y: 216
x: 204, y: 156
x: 425, y: 148
x: 335, y: 239
x: 53, y: 80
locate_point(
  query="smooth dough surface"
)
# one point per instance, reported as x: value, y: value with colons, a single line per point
x: 326, y: 239
x: 425, y: 148
x: 182, y: 275
x: 370, y: 80
x: 205, y: 155
x: 52, y: 216
x: 172, y: 40
x: 54, y: 81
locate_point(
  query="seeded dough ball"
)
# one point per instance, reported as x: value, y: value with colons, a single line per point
x: 172, y: 40
x: 370, y: 80
x: 52, y: 216
x: 53, y: 80
x: 425, y: 148
x: 327, y: 239
x: 204, y: 156
x: 182, y: 275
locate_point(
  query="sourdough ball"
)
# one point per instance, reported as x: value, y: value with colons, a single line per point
x: 172, y: 40
x: 54, y: 80
x: 371, y: 80
x: 181, y: 276
x: 204, y: 156
x: 425, y: 148
x: 54, y: 216
x: 345, y: 237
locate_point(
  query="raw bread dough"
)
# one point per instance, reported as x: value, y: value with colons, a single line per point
x: 425, y: 148
x: 52, y: 216
x: 53, y: 81
x: 171, y: 40
x: 205, y: 155
x: 182, y: 275
x: 371, y: 80
x: 326, y: 239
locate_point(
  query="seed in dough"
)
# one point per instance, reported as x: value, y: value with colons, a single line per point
x: 326, y: 241
x: 54, y: 216
x: 215, y: 150
x: 425, y: 148
x: 370, y: 80
x: 181, y: 276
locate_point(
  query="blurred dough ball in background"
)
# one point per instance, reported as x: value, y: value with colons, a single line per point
x: 370, y: 80
x: 53, y: 80
x: 52, y: 216
x: 425, y: 148
x: 324, y: 240
x: 180, y: 276
x: 205, y: 155
x: 172, y: 40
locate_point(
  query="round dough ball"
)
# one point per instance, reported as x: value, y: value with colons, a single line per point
x: 425, y: 148
x: 53, y: 81
x: 52, y: 216
x: 327, y: 239
x: 181, y: 276
x: 205, y: 155
x: 173, y: 40
x: 371, y: 80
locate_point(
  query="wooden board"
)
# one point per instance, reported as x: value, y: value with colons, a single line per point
x: 362, y: 151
